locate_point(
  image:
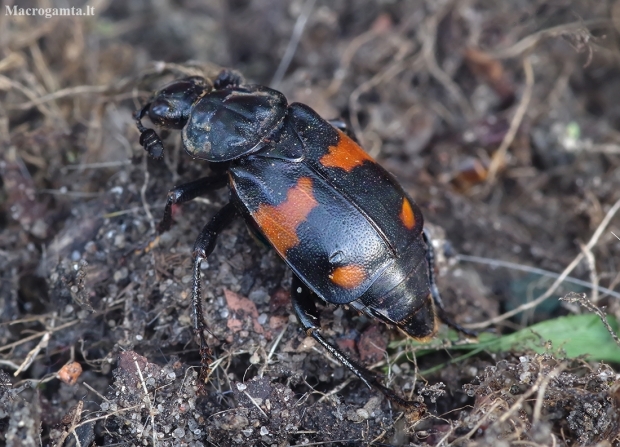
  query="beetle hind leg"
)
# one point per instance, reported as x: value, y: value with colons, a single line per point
x: 306, y: 311
x: 203, y: 247
x: 440, y: 309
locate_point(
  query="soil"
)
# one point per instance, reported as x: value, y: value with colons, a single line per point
x: 501, y: 120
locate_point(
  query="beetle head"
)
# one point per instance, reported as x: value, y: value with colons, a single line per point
x: 236, y: 120
x: 169, y: 108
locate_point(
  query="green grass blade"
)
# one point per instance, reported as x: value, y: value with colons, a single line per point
x: 575, y: 335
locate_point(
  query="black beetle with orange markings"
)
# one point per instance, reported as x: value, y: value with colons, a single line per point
x: 341, y: 222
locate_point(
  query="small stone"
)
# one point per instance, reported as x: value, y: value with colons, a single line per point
x: 178, y: 433
x: 363, y: 414
x: 70, y: 373
x: 119, y: 241
x: 121, y: 274
x: 353, y: 416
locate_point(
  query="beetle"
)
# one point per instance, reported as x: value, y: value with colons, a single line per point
x: 347, y: 229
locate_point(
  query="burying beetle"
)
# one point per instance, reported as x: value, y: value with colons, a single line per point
x: 339, y: 220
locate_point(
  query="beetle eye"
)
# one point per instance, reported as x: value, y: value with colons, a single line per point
x: 160, y: 108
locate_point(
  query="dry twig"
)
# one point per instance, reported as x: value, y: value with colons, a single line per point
x: 529, y: 42
x: 499, y: 156
x: 584, y: 302
x: 532, y: 304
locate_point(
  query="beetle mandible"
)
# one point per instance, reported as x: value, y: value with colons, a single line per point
x: 341, y: 222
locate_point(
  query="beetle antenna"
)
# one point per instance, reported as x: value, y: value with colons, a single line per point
x: 149, y: 139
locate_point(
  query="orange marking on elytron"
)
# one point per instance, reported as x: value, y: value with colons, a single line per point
x: 346, y: 154
x: 279, y: 223
x: 348, y: 276
x: 406, y: 215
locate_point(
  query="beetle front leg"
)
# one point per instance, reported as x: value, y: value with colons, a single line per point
x: 306, y: 311
x: 186, y: 192
x: 203, y: 247
x: 149, y: 140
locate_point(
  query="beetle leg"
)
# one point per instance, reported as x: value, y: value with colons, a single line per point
x: 186, y: 192
x: 150, y: 141
x: 342, y: 126
x: 441, y: 310
x: 203, y: 247
x: 306, y: 311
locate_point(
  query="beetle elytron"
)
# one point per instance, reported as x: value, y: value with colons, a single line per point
x: 344, y: 226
